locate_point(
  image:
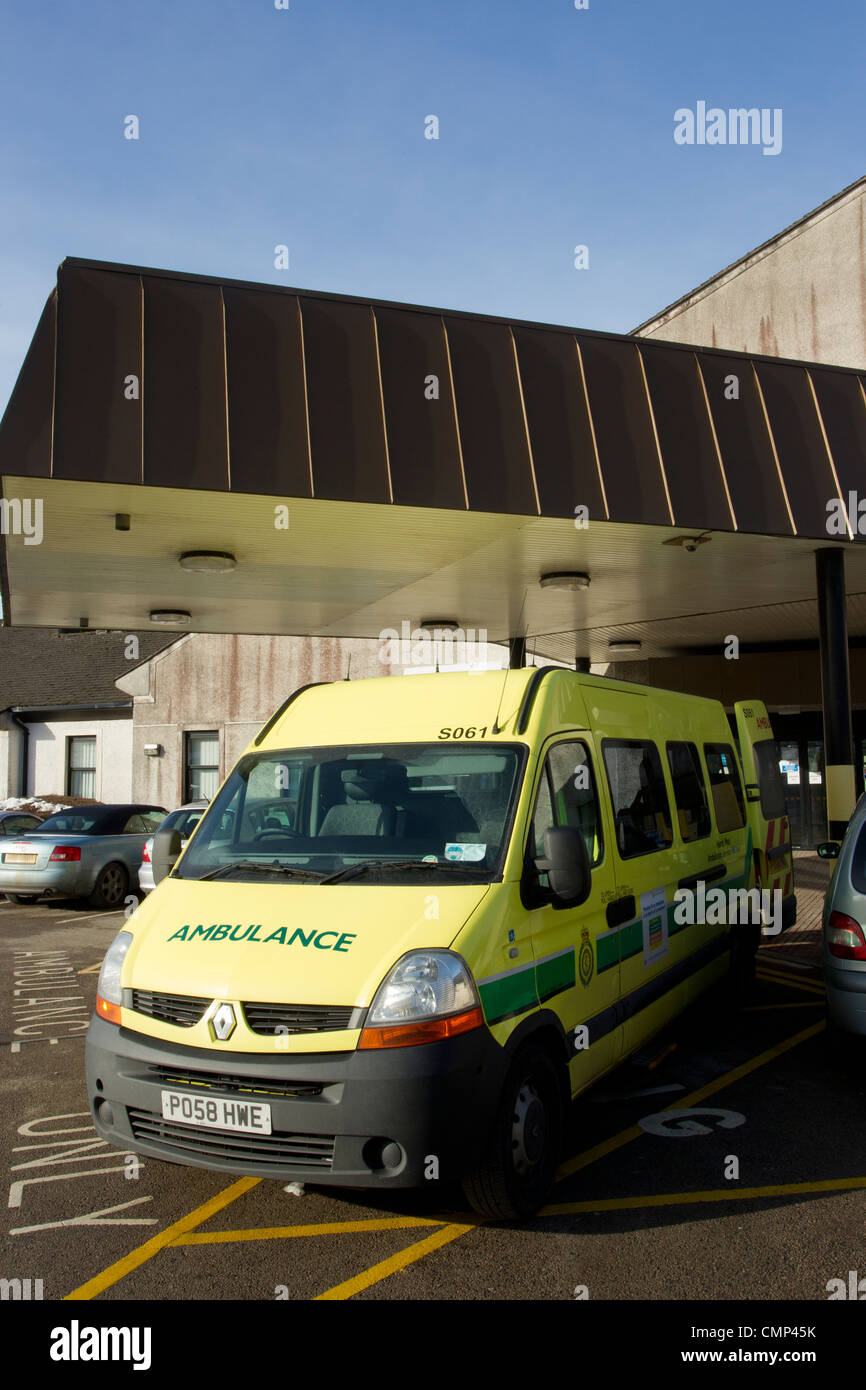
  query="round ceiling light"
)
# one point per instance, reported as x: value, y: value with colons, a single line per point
x: 565, y: 580
x: 167, y: 617
x: 443, y: 624
x: 208, y: 561
x: 626, y: 645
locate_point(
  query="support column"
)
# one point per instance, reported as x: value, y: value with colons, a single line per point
x: 835, y: 690
x: 516, y: 652
x: 581, y: 664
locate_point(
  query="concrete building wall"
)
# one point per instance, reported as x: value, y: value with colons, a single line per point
x: 230, y: 684
x: 802, y: 295
x: 46, y: 760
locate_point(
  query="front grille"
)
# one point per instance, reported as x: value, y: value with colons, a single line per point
x: 237, y: 1085
x: 286, y: 1150
x: 181, y: 1009
x: 300, y: 1018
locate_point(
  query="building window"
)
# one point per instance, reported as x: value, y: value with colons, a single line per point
x: 201, y: 766
x: 81, y: 766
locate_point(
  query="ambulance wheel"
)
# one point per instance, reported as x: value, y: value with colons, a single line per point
x: 110, y: 888
x: 518, y: 1170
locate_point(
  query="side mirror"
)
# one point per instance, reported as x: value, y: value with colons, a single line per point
x: 566, y: 864
x: 829, y: 849
x: 165, y: 853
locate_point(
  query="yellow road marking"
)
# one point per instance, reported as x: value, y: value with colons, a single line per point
x: 91, y: 969
x: 100, y: 1282
x: 405, y: 1257
x: 720, y: 1194
x: 326, y: 1228
x: 773, y: 978
x: 800, y: 1004
x: 625, y: 1136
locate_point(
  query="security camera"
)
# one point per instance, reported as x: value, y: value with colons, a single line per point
x: 690, y: 546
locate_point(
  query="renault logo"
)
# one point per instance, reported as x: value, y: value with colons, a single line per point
x: 222, y: 1024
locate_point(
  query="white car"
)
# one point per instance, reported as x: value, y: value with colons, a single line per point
x: 184, y: 819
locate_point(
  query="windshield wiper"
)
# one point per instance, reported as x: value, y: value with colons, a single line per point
x: 354, y: 870
x: 257, y: 866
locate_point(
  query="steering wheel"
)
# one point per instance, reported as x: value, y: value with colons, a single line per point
x: 280, y: 834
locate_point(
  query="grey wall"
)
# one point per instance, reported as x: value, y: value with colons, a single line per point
x: 231, y: 684
x: 804, y: 296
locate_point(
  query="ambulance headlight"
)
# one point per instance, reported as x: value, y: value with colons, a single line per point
x: 423, y: 984
x: 108, y: 988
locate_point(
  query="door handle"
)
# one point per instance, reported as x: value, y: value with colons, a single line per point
x: 705, y: 876
x: 621, y: 910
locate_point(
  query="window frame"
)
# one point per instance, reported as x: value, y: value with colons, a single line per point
x: 736, y: 782
x: 187, y: 792
x: 70, y: 740
x: 530, y: 850
x: 615, y: 742
x: 695, y: 752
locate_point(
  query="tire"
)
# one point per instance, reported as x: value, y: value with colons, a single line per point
x: 21, y: 898
x: 110, y: 888
x: 517, y: 1173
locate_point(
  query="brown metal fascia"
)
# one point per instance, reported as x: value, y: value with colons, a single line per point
x: 454, y: 408
x: 591, y: 427
x: 226, y: 384
x: 716, y: 441
x: 306, y: 394
x: 655, y: 435
x: 525, y: 420
x: 382, y: 401
x: 773, y: 447
x: 829, y: 453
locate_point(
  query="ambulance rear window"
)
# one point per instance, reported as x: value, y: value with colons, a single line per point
x: 770, y: 783
x: 727, y: 791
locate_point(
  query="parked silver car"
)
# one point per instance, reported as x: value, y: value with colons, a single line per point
x: 843, y: 952
x: 184, y: 819
x: 84, y: 852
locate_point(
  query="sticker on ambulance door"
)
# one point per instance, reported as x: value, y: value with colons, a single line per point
x: 466, y: 854
x: 653, y: 909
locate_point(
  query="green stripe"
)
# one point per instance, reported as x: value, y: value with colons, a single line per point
x: 510, y: 994
x: 607, y: 951
x: 554, y: 975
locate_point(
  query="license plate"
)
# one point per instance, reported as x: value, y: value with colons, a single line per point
x: 248, y: 1117
x: 19, y: 858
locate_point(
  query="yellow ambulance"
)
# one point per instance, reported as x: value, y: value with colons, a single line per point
x: 421, y: 915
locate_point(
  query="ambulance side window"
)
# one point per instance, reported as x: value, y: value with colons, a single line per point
x: 693, y: 813
x: 770, y: 783
x: 567, y: 796
x: 640, y: 800
x: 725, y: 786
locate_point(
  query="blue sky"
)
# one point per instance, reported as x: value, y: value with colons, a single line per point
x: 306, y: 127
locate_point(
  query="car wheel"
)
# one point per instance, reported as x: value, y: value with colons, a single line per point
x: 110, y: 888
x: 518, y: 1170
x: 21, y: 898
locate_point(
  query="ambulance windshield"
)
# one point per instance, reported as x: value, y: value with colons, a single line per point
x: 370, y: 814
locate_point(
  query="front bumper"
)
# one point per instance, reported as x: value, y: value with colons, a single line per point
x: 377, y: 1120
